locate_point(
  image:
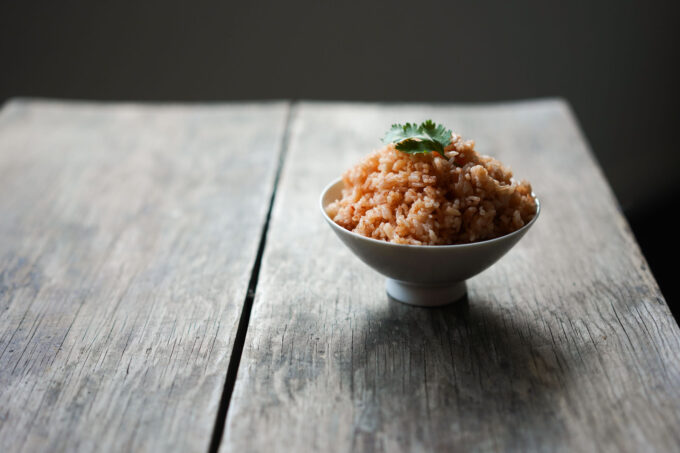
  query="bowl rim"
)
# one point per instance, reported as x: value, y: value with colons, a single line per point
x: 424, y: 247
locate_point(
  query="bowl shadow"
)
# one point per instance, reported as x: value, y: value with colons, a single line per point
x: 471, y: 375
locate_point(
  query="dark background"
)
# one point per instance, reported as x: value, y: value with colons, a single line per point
x: 614, y: 61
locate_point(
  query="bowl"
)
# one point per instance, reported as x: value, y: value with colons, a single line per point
x: 423, y: 275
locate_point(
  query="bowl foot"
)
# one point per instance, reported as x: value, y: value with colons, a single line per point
x: 425, y: 295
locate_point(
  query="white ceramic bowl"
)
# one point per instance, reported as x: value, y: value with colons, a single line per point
x: 424, y: 275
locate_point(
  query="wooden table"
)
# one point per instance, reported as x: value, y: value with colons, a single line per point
x: 167, y: 283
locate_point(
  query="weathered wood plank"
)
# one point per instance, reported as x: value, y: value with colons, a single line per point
x: 565, y: 344
x: 127, y: 238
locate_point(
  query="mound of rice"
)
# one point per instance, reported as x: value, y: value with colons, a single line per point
x: 425, y: 199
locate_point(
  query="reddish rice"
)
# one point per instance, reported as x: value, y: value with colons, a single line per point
x: 425, y: 199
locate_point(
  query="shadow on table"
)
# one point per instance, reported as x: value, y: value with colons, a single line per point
x: 471, y: 375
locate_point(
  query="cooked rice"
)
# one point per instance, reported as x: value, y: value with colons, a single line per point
x: 425, y: 199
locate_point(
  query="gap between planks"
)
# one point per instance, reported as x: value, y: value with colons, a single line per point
x: 244, y: 320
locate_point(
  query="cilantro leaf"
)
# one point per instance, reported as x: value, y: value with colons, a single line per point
x: 398, y: 133
x: 437, y: 132
x: 426, y: 138
x: 419, y: 146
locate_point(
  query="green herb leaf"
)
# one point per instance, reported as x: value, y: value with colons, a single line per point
x: 411, y: 145
x: 426, y: 138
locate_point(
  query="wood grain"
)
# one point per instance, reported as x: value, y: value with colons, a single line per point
x: 127, y: 238
x: 566, y: 344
